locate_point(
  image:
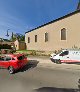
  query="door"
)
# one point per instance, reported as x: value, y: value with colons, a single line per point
x: 1, y: 62
x: 6, y: 61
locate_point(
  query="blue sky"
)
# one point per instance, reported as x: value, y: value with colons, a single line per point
x: 22, y: 15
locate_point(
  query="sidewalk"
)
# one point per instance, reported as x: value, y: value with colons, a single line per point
x: 41, y: 59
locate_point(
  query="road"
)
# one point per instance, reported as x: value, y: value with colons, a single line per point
x: 39, y: 76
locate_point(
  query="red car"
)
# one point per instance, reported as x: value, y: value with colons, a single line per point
x: 13, y: 62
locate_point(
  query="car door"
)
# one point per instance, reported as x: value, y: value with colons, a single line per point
x: 6, y: 61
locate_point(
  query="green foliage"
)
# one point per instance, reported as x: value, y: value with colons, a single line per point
x: 22, y: 38
x: 5, y: 46
x: 18, y: 36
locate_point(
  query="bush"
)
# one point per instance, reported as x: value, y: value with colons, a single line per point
x: 33, y: 52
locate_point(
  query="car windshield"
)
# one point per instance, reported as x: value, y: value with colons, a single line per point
x: 64, y: 53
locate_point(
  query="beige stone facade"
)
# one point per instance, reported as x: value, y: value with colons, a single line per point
x: 55, y: 38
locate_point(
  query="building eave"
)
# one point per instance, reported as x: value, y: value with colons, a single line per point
x: 63, y: 17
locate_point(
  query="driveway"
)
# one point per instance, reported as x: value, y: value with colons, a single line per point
x: 37, y: 76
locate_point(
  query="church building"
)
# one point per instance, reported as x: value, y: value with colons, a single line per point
x: 61, y: 33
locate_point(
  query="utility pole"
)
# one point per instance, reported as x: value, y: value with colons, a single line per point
x: 7, y: 33
x: 12, y: 36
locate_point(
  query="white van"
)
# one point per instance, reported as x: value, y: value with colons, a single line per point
x: 66, y: 56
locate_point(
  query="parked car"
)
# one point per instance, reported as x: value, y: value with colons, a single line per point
x: 13, y: 62
x: 66, y: 56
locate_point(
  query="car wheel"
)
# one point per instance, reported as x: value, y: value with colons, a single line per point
x: 58, y: 62
x: 11, y: 70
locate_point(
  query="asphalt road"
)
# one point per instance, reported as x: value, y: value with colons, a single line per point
x: 40, y: 77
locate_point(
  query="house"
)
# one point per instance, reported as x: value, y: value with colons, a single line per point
x: 6, y: 41
x: 20, y: 45
x: 63, y: 32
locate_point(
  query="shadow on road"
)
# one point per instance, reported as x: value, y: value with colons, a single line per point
x: 53, y: 89
x: 31, y: 64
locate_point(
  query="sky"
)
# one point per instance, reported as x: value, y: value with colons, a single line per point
x: 20, y: 16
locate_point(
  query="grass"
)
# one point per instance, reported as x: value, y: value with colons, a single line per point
x: 33, y: 52
x: 28, y: 52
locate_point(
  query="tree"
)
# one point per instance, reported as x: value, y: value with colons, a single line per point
x: 18, y: 36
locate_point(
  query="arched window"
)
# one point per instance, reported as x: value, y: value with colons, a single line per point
x: 63, y: 34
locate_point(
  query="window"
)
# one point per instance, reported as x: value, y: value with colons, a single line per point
x: 7, y: 58
x: 28, y: 39
x: 35, y: 38
x: 63, y: 34
x: 13, y: 59
x: 21, y: 57
x: 16, y: 45
x: 46, y: 37
x: 64, y: 53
